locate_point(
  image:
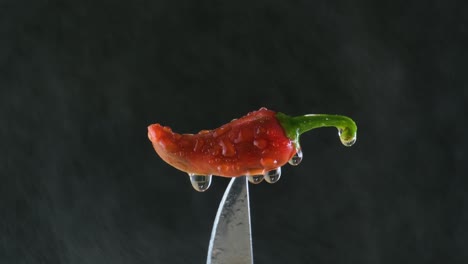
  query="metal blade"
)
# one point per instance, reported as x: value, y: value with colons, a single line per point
x: 231, y: 239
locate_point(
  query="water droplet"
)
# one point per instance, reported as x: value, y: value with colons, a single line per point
x: 268, y: 162
x: 228, y: 148
x: 273, y: 176
x: 346, y: 142
x: 200, y: 183
x: 245, y: 134
x: 223, y: 168
x: 340, y: 131
x: 260, y: 143
x: 260, y: 130
x: 297, y: 158
x: 255, y: 179
x: 198, y: 145
x: 221, y: 131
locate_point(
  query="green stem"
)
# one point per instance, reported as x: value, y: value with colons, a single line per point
x: 295, y: 126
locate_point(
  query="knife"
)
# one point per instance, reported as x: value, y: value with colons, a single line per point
x: 231, y: 237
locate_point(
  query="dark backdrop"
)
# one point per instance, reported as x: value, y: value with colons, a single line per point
x: 81, y: 80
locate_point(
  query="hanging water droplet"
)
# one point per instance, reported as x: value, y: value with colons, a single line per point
x: 200, y: 183
x: 347, y: 142
x: 273, y: 176
x: 340, y: 131
x: 297, y: 158
x: 255, y: 179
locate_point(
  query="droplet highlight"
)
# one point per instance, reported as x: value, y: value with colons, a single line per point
x: 273, y: 176
x: 221, y: 131
x: 200, y: 183
x: 228, y: 148
x: 268, y: 162
x: 260, y: 143
x: 348, y: 143
x: 255, y: 179
x: 198, y: 145
x: 297, y: 158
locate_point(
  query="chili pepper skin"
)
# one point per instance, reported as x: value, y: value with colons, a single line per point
x: 259, y: 142
x: 249, y: 145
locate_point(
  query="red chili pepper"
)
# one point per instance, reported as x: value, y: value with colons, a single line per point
x: 255, y: 144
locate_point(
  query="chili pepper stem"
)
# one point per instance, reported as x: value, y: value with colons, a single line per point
x: 295, y: 126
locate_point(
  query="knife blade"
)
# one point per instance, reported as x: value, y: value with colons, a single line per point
x: 231, y: 237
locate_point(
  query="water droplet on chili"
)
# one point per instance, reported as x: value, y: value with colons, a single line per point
x: 221, y: 131
x: 200, y: 183
x: 273, y: 176
x: 260, y: 143
x: 255, y: 179
x: 228, y: 149
x: 268, y: 162
x: 198, y: 145
x: 297, y: 158
x: 260, y: 130
x: 348, y: 142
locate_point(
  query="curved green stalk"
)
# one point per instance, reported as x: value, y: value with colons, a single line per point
x: 295, y: 126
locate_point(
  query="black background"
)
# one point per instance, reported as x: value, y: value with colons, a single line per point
x: 81, y: 80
